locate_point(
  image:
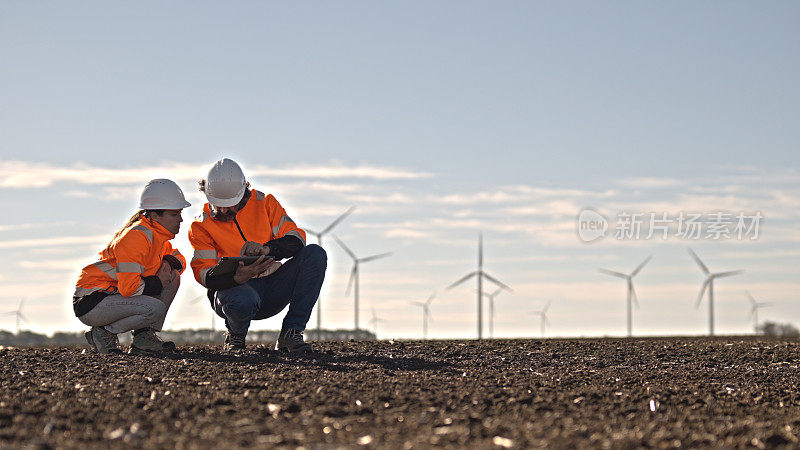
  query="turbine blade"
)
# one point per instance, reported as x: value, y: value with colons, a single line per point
x: 339, y: 219
x: 546, y: 307
x: 634, y: 296
x: 497, y: 282
x: 461, y: 280
x: 418, y: 304
x: 702, y: 291
x: 750, y: 297
x: 352, y: 278
x: 728, y: 274
x: 22, y: 317
x: 612, y: 273
x: 641, y: 265
x: 700, y: 263
x: 312, y: 232
x: 341, y: 244
x: 374, y: 257
x: 430, y: 299
x: 21, y: 301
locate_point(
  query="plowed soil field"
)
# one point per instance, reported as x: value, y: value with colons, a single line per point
x: 734, y: 392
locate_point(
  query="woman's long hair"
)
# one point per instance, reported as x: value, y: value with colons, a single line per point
x: 134, y: 218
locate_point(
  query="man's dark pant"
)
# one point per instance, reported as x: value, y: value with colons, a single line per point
x: 296, y: 283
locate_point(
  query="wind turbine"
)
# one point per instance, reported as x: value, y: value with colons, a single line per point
x: 754, y: 309
x: 543, y: 315
x: 354, y: 272
x: 480, y: 275
x: 374, y: 321
x: 426, y: 313
x: 709, y: 283
x: 631, y: 291
x: 491, y: 309
x: 319, y: 241
x: 18, y: 313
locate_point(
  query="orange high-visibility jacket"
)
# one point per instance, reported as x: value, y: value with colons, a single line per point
x: 135, y: 254
x: 261, y: 220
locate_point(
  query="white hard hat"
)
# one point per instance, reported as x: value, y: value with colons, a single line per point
x: 225, y: 183
x: 162, y: 194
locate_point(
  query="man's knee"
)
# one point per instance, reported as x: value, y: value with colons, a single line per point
x: 238, y: 302
x: 315, y: 254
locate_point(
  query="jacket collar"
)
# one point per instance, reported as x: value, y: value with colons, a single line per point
x: 157, y: 228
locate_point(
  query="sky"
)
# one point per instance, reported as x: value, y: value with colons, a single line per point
x: 438, y: 121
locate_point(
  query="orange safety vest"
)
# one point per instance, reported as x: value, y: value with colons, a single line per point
x: 136, y: 253
x: 261, y: 220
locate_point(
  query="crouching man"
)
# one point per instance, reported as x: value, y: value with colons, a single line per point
x: 239, y: 221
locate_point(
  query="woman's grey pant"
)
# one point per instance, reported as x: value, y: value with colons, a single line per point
x: 119, y: 314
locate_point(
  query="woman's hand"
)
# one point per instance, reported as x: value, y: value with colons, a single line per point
x: 166, y: 274
x: 245, y: 273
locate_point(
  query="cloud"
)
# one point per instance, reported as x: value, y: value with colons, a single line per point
x: 27, y: 174
x: 31, y: 226
x: 406, y: 233
x: 72, y: 265
x: 651, y: 182
x: 55, y: 242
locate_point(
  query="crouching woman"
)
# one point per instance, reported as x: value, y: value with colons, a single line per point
x: 133, y: 284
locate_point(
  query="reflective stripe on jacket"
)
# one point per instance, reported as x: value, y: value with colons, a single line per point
x: 261, y: 220
x: 137, y: 253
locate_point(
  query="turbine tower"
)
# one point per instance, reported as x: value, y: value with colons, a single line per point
x: 754, y: 309
x: 543, y: 315
x: 374, y: 321
x: 18, y: 313
x: 709, y: 283
x: 354, y: 272
x: 480, y: 274
x: 491, y: 309
x: 426, y: 313
x: 319, y: 241
x: 632, y: 297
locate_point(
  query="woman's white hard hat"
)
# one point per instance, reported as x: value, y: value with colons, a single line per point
x: 162, y: 193
x: 225, y: 183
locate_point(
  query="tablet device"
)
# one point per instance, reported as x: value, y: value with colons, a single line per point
x: 228, y: 264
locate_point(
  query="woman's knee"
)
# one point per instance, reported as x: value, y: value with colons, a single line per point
x: 157, y: 310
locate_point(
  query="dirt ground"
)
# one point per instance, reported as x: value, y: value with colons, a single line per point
x: 735, y: 392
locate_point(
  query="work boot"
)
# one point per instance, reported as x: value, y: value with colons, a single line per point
x: 234, y: 342
x: 291, y: 341
x: 147, y: 341
x: 103, y: 340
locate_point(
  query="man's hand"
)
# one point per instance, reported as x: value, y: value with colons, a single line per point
x: 245, y: 273
x: 251, y: 248
x: 166, y: 274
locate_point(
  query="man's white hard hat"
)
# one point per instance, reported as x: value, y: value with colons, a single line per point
x: 162, y: 193
x: 225, y: 183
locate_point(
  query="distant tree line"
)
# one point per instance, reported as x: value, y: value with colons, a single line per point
x: 28, y: 338
x: 778, y: 329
